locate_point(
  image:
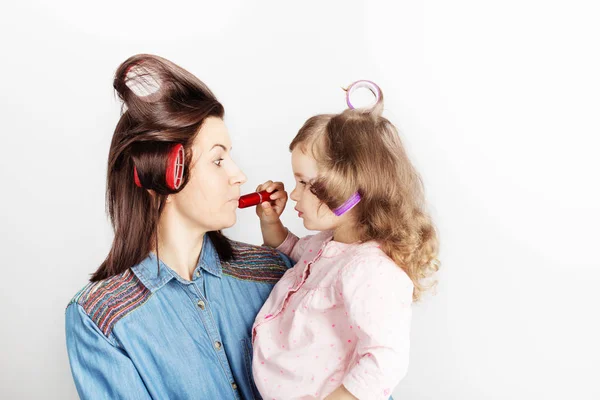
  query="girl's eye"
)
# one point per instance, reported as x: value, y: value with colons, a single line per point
x: 218, y: 162
x: 302, y: 183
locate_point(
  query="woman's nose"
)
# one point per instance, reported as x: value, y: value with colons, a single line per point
x: 238, y: 177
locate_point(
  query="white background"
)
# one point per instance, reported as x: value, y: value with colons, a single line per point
x: 498, y: 105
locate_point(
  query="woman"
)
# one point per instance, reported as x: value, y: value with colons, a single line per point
x: 168, y: 313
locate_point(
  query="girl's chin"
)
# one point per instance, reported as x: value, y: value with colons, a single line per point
x: 307, y: 224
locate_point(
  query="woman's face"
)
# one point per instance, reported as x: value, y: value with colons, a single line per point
x: 210, y: 198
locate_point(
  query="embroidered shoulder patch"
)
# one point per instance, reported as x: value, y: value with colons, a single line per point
x: 107, y: 301
x: 254, y: 263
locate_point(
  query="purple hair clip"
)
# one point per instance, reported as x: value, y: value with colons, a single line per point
x: 348, y: 205
x: 372, y: 86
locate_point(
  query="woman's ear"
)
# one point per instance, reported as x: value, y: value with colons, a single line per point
x: 152, y: 194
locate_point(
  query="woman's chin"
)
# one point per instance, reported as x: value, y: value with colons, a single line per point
x: 230, y: 221
x: 222, y: 222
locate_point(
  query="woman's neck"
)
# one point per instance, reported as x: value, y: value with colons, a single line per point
x: 179, y: 244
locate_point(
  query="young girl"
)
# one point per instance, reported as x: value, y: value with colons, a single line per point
x: 337, y: 324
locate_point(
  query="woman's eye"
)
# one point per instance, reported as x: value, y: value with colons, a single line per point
x: 218, y: 162
x: 302, y: 183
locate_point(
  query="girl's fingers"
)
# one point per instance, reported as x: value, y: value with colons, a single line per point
x: 269, y: 211
x: 264, y: 186
x: 280, y: 200
x: 275, y: 186
x: 278, y: 195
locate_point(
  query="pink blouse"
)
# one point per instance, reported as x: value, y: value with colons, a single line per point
x: 340, y: 316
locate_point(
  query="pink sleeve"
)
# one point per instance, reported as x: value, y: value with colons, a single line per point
x: 378, y: 298
x: 292, y: 246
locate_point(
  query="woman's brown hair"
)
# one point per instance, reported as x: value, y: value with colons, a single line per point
x: 163, y: 105
x: 359, y: 150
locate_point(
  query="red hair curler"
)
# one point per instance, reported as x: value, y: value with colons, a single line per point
x: 175, y: 167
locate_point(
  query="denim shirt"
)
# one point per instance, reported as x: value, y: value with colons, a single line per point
x: 148, y: 333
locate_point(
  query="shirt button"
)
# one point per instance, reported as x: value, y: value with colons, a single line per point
x: 234, y: 386
x: 218, y: 345
x: 198, y: 274
x: 201, y: 305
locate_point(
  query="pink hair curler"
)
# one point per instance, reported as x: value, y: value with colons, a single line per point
x: 372, y: 86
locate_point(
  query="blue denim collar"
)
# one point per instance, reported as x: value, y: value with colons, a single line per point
x: 154, y: 276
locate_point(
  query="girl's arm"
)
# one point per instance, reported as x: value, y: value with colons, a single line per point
x: 293, y: 246
x: 273, y: 231
x: 378, y: 296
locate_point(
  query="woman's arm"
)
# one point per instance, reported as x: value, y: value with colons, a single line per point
x: 341, y: 393
x: 100, y: 369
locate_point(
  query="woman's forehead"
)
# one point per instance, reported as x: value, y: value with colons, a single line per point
x: 213, y: 134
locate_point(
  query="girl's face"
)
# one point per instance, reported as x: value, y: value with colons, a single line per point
x: 210, y: 198
x: 315, y: 215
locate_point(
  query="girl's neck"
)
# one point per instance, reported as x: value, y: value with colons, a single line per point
x: 345, y: 234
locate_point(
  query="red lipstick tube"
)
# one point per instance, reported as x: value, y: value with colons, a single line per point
x: 254, y: 199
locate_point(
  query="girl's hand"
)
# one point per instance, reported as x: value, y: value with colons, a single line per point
x: 269, y: 211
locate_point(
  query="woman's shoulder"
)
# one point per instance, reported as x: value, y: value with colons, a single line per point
x: 256, y: 263
x: 105, y: 302
x: 244, y: 253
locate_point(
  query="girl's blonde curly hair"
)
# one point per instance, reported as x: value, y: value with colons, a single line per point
x: 360, y: 150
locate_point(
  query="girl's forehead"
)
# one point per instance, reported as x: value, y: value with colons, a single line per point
x: 303, y: 164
